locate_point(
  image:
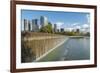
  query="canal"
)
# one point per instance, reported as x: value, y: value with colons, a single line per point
x: 73, y: 49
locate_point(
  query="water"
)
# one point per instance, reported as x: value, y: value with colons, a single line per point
x: 72, y: 49
x: 78, y: 49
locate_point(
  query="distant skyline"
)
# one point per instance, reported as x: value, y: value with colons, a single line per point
x: 66, y: 20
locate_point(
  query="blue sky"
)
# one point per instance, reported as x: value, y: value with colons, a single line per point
x: 62, y: 19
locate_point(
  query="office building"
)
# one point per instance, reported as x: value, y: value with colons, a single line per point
x: 43, y: 21
x: 77, y: 30
x: 35, y: 26
x: 55, y: 27
x: 25, y: 25
x: 29, y: 25
x: 62, y: 30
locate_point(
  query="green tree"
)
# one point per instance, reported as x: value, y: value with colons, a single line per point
x: 47, y: 28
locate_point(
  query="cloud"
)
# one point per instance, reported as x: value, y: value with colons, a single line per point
x: 59, y: 24
x: 77, y: 27
x: 74, y: 24
x: 85, y: 26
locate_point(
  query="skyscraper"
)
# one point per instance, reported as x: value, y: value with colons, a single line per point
x: 35, y: 26
x: 29, y: 25
x: 55, y: 27
x: 25, y: 25
x: 43, y: 21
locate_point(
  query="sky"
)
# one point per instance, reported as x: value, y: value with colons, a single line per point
x: 66, y: 20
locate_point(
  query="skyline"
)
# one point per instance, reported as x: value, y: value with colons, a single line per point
x: 64, y: 20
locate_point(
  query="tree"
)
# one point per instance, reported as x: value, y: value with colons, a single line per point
x: 87, y: 34
x: 47, y: 28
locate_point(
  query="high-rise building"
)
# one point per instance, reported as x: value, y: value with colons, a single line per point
x: 43, y: 21
x: 62, y: 29
x: 58, y: 30
x: 35, y: 26
x: 55, y: 27
x: 77, y: 30
x: 25, y: 25
x: 29, y: 25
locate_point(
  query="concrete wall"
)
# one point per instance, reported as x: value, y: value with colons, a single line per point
x: 39, y: 44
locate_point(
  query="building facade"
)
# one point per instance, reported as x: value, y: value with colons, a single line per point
x: 43, y: 21
x: 55, y: 27
x: 29, y: 25
x: 35, y: 26
x: 62, y: 30
x: 25, y: 25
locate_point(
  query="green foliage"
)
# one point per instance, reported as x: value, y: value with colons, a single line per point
x: 70, y: 33
x: 47, y: 28
x: 87, y: 34
x: 73, y: 33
